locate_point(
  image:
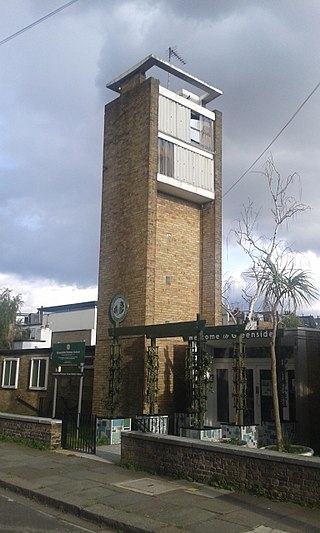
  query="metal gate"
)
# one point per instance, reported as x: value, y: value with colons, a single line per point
x: 79, y: 432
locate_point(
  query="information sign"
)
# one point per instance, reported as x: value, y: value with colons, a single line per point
x: 68, y: 354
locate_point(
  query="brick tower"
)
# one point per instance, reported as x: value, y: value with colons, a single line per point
x: 160, y: 242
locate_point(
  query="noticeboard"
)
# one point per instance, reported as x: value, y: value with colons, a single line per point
x: 68, y: 354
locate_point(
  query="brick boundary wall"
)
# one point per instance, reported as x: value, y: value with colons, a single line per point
x: 44, y: 430
x: 271, y: 474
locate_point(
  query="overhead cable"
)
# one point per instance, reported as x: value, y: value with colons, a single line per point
x: 274, y: 139
x: 42, y: 19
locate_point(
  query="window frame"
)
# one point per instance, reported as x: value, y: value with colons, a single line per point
x: 38, y: 386
x: 202, y: 131
x: 5, y: 362
x: 166, y: 157
x: 195, y: 128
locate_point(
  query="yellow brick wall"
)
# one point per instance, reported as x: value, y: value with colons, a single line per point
x: 177, y: 260
x: 128, y: 218
x: 162, y: 253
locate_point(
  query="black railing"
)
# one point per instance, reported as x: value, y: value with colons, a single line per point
x: 79, y: 432
x: 151, y: 424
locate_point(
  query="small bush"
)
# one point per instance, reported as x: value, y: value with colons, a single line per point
x: 129, y: 465
x: 102, y: 442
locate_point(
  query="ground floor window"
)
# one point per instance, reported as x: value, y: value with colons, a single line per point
x: 38, y: 373
x: 222, y: 395
x: 10, y: 370
x: 258, y: 400
x: 291, y: 395
x: 249, y: 401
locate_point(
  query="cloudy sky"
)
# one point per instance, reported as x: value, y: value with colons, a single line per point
x: 261, y: 53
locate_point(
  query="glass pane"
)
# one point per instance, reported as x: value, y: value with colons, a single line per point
x: 6, y: 379
x: 249, y: 411
x: 166, y: 158
x: 206, y: 129
x: 266, y: 396
x: 195, y: 128
x: 34, y: 372
x: 13, y: 371
x: 42, y: 373
x: 292, y: 396
x: 222, y: 395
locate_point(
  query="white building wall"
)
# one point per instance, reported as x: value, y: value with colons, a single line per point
x: 40, y: 337
x: 174, y: 119
x: 72, y: 320
x: 193, y: 168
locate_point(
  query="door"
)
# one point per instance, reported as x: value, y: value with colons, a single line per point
x: 266, y: 406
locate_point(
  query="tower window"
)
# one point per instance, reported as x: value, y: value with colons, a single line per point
x: 166, y: 158
x: 201, y: 131
x: 195, y: 128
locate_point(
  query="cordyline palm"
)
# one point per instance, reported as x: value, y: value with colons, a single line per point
x: 283, y: 285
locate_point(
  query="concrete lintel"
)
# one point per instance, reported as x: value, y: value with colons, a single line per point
x: 210, y: 93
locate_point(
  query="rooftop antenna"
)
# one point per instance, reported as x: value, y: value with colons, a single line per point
x: 172, y: 52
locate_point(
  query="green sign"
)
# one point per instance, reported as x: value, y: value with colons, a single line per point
x: 233, y: 332
x: 68, y: 354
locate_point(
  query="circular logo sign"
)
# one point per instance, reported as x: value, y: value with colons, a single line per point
x: 118, y: 308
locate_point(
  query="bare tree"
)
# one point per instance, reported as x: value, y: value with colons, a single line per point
x: 261, y: 247
x: 226, y: 303
x: 272, y: 273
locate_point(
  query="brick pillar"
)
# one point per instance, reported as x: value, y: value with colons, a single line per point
x: 211, y: 244
x: 128, y: 226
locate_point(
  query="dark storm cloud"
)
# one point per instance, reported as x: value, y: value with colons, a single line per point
x: 261, y: 54
x: 50, y: 154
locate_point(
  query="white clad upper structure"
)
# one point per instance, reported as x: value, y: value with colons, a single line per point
x: 185, y: 133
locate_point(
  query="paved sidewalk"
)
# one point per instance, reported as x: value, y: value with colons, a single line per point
x: 133, y: 501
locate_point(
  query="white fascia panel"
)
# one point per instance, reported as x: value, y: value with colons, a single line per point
x: 185, y: 145
x: 184, y: 190
x: 187, y: 103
